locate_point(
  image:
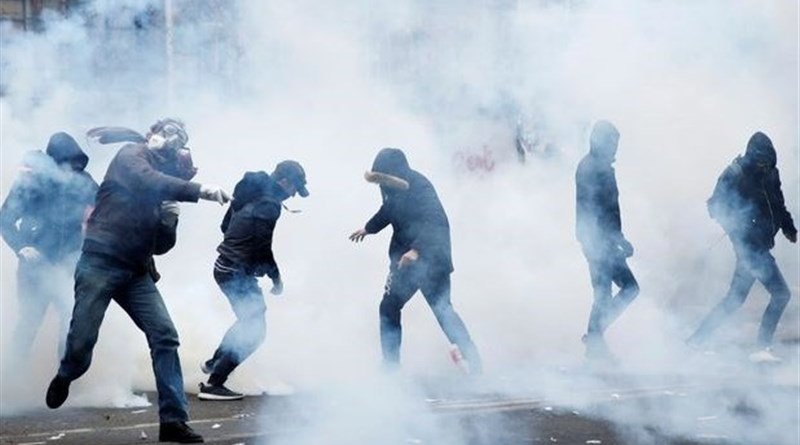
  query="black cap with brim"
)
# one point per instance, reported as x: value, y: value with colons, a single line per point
x: 293, y: 171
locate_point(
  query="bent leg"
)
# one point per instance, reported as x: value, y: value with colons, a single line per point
x: 436, y: 290
x: 94, y: 285
x: 628, y: 290
x: 741, y: 284
x: 249, y: 330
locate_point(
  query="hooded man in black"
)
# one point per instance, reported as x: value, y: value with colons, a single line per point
x: 748, y: 203
x: 419, y: 253
x: 599, y: 230
x: 42, y: 221
x: 244, y: 255
x: 134, y: 218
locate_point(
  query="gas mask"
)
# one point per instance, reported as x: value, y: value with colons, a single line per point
x: 167, y: 134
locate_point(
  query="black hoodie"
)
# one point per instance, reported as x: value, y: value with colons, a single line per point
x: 597, y: 214
x: 748, y: 201
x: 249, y: 224
x: 417, y: 217
x: 49, y: 200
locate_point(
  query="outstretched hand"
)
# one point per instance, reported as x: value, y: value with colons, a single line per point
x: 791, y: 235
x: 358, y: 235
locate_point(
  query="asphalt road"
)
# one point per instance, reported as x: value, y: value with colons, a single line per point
x: 606, y: 409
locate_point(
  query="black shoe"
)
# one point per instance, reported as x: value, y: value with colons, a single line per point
x: 57, y: 392
x: 217, y: 392
x: 178, y: 432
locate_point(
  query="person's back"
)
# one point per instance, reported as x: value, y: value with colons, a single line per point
x: 748, y: 203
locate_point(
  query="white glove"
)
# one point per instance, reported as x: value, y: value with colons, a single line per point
x: 170, y: 210
x: 29, y: 254
x: 214, y: 193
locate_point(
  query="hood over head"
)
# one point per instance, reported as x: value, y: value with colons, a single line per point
x: 391, y: 161
x: 604, y: 139
x: 761, y: 151
x: 63, y: 149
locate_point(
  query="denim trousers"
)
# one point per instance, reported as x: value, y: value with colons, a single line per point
x: 249, y: 330
x: 751, y: 265
x: 98, y: 280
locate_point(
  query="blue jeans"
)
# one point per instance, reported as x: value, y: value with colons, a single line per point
x: 249, y: 330
x: 751, y: 265
x: 606, y: 270
x: 98, y: 280
x: 401, y: 285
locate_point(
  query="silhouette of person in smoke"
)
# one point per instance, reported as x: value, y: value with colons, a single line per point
x: 244, y: 255
x: 748, y: 203
x: 135, y: 217
x: 419, y: 253
x: 42, y: 222
x: 599, y: 230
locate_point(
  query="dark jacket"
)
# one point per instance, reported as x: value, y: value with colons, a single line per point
x: 126, y: 220
x: 749, y: 205
x: 249, y: 224
x: 597, y: 216
x: 417, y: 217
x: 49, y: 201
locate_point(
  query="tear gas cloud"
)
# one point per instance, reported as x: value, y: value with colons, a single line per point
x: 685, y: 83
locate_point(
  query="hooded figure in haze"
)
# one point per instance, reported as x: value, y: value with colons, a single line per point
x: 599, y: 230
x: 134, y: 218
x: 419, y: 253
x: 245, y: 254
x: 748, y: 203
x: 42, y: 221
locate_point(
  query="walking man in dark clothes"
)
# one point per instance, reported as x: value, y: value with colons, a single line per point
x: 124, y: 231
x: 244, y: 255
x: 42, y: 221
x: 599, y: 230
x: 748, y: 203
x: 419, y: 253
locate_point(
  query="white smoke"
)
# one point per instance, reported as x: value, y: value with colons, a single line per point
x: 686, y: 84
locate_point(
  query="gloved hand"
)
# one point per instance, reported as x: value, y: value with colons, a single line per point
x: 29, y: 254
x: 277, y: 286
x: 169, y: 212
x: 790, y: 234
x: 408, y: 258
x: 214, y: 193
x: 626, y: 248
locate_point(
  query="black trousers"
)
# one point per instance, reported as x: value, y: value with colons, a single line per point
x: 606, y: 270
x: 401, y: 285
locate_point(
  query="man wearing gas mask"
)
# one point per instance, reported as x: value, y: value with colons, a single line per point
x: 420, y: 256
x: 42, y: 221
x: 125, y: 230
x: 245, y: 254
x: 748, y: 203
x: 599, y: 231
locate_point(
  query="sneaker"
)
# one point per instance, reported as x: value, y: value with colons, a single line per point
x: 178, y: 432
x: 57, y: 392
x: 597, y: 350
x: 217, y: 392
x: 764, y: 356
